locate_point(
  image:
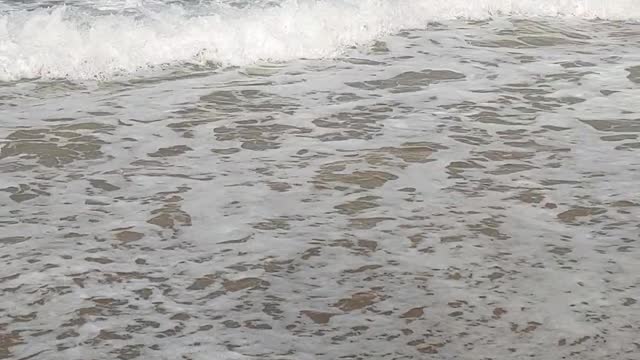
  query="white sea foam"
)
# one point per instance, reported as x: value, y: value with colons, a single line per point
x: 504, y: 194
x: 66, y: 42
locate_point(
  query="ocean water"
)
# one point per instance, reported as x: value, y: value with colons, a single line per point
x: 301, y: 180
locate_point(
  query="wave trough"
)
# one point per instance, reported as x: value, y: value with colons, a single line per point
x: 65, y: 42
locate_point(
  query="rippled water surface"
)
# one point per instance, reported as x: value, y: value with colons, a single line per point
x: 468, y: 191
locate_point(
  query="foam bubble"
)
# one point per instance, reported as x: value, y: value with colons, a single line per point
x: 64, y: 42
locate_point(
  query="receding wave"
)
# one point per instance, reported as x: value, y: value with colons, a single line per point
x: 66, y: 42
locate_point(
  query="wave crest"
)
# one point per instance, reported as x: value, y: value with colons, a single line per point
x: 63, y: 42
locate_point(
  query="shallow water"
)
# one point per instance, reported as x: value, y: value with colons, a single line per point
x: 464, y: 191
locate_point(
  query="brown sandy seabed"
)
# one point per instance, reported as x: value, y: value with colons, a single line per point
x: 468, y: 192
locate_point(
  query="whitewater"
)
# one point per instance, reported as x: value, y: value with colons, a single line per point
x: 100, y: 40
x: 319, y: 180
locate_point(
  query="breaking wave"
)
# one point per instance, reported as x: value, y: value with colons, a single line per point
x: 69, y: 42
